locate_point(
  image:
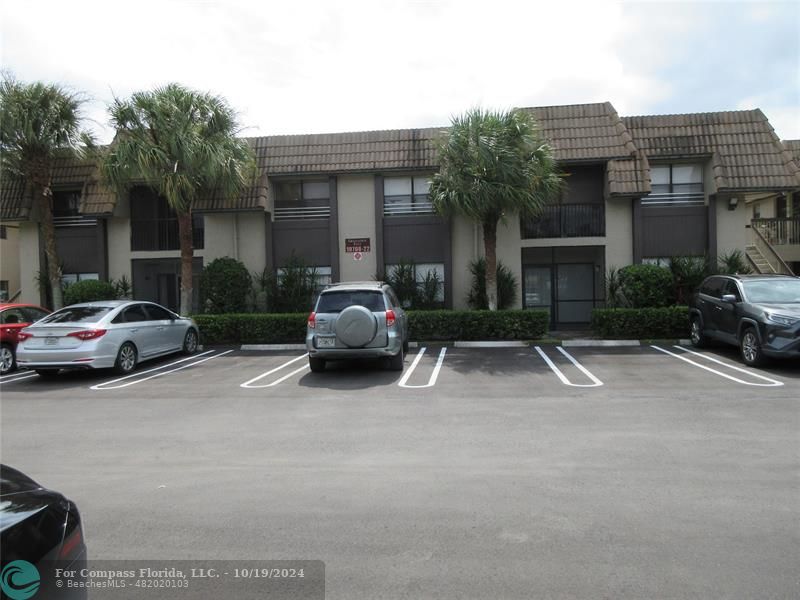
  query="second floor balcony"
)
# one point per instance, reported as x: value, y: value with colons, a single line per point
x: 779, y: 231
x: 566, y: 220
x: 162, y: 234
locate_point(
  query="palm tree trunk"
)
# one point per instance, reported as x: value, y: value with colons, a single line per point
x: 490, y: 249
x: 48, y: 232
x: 187, y: 255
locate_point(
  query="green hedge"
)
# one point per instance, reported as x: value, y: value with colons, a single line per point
x: 641, y: 323
x: 434, y: 325
x: 451, y: 325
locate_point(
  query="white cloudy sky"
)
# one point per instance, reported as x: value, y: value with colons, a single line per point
x: 318, y: 66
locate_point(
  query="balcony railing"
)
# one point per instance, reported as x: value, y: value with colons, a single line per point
x: 293, y: 213
x: 419, y: 207
x: 566, y: 220
x: 779, y: 232
x: 162, y: 234
x: 74, y: 221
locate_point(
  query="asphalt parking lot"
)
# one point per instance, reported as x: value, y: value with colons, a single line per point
x: 644, y: 472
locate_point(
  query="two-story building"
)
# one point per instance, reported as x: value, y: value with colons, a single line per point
x: 639, y: 189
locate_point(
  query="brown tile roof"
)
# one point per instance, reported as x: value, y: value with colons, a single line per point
x: 580, y: 132
x: 744, y: 151
x: 347, y: 152
x: 793, y: 146
x: 15, y: 199
x: 628, y: 176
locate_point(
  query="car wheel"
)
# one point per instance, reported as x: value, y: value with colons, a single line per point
x: 47, y: 373
x: 190, y: 342
x: 751, y: 348
x: 396, y: 361
x: 8, y: 362
x: 696, y: 334
x: 317, y: 364
x: 126, y: 359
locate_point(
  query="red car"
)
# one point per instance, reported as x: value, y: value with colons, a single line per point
x: 13, y: 317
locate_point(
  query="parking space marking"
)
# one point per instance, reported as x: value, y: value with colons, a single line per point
x: 247, y: 383
x: 595, y: 381
x: 434, y: 375
x: 106, y: 385
x: 17, y: 377
x: 771, y: 382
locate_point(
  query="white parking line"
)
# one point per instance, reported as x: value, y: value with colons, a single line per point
x: 17, y: 377
x: 434, y: 375
x: 771, y: 382
x: 106, y: 385
x: 247, y: 383
x: 595, y: 381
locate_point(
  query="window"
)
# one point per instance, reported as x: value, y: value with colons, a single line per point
x: 12, y: 316
x: 429, y: 278
x: 757, y: 210
x: 159, y: 314
x: 78, y: 314
x: 337, y: 301
x: 659, y: 261
x: 70, y: 278
x: 66, y: 204
x: 406, y: 195
x: 730, y: 287
x: 712, y: 287
x: 135, y: 314
x: 4, y: 292
x: 3, y: 232
x: 675, y: 184
x: 302, y: 200
x: 33, y: 314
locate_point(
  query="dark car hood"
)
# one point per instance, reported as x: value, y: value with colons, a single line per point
x: 789, y: 309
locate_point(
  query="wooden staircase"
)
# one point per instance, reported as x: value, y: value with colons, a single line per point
x: 757, y: 260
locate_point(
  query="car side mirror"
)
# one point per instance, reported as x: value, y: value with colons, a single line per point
x: 730, y: 298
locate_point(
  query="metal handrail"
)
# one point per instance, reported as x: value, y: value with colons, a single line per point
x: 566, y: 220
x: 407, y: 208
x: 762, y: 244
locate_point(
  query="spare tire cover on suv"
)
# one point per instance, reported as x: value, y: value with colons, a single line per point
x: 356, y: 326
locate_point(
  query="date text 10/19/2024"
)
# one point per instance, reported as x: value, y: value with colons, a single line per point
x: 193, y: 573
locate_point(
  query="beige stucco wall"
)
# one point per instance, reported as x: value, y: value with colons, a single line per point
x: 356, y: 198
x: 465, y: 243
x: 118, y: 234
x: 509, y: 243
x: 29, y: 261
x: 732, y: 233
x: 619, y: 233
x: 9, y: 258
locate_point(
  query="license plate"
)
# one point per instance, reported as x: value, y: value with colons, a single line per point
x: 51, y: 341
x: 326, y: 342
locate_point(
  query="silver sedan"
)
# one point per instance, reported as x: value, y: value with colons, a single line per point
x: 116, y: 334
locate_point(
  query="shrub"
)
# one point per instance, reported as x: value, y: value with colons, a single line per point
x: 440, y: 325
x: 507, y: 286
x: 688, y: 273
x: 733, y: 263
x: 429, y: 292
x: 89, y: 290
x: 252, y: 328
x: 123, y: 287
x: 646, y: 286
x: 638, y: 323
x: 403, y: 279
x: 224, y: 286
x: 293, y: 291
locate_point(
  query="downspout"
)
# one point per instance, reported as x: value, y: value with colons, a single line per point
x: 236, y: 236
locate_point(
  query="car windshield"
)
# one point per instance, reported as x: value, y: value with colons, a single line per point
x: 775, y: 291
x: 335, y: 302
x: 78, y: 314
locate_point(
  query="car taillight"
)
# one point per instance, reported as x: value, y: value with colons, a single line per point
x: 390, y: 318
x: 22, y: 336
x: 312, y: 320
x: 87, y: 334
x: 71, y: 544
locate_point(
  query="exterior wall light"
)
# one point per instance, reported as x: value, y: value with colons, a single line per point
x: 733, y: 203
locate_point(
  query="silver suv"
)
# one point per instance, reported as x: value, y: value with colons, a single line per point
x: 357, y: 320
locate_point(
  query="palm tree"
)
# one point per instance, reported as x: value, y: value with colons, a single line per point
x: 182, y: 143
x: 40, y: 122
x: 492, y: 164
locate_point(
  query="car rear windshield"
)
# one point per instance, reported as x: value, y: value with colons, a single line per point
x: 78, y: 314
x: 335, y: 302
x: 771, y: 291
